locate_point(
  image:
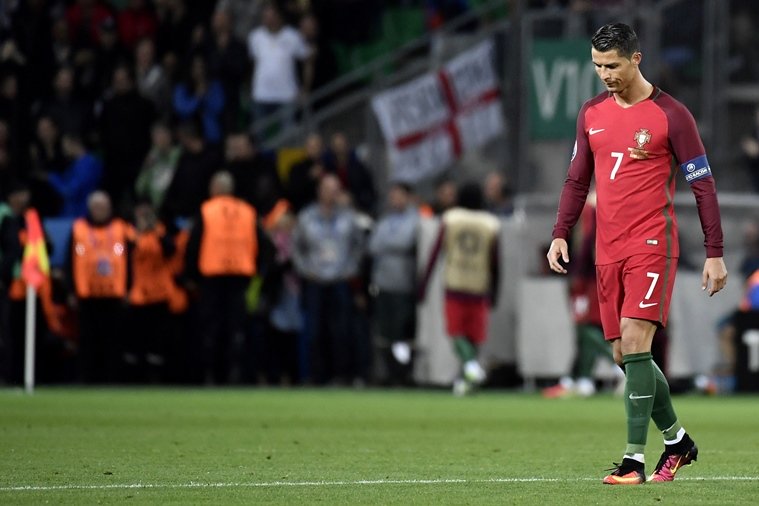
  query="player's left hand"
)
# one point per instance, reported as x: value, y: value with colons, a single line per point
x: 714, y: 278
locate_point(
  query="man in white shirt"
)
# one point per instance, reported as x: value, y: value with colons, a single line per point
x: 275, y: 49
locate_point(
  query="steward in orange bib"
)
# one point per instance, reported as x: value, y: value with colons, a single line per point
x: 97, y: 269
x: 152, y: 284
x: 222, y: 256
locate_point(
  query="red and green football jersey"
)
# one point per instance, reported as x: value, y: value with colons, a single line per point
x: 635, y: 154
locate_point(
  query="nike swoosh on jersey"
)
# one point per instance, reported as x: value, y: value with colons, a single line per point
x: 644, y: 306
x: 594, y: 132
x: 636, y: 397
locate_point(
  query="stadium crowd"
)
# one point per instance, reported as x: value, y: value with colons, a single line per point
x: 124, y: 124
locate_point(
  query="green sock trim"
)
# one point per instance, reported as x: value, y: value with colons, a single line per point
x: 632, y: 449
x: 640, y: 390
x: 663, y: 413
x: 636, y: 357
x: 464, y: 349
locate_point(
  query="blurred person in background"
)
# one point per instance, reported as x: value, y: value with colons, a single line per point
x: 96, y: 269
x: 469, y: 238
x: 498, y: 195
x: 256, y: 178
x: 71, y: 113
x: 152, y: 79
x: 46, y: 155
x: 275, y: 49
x: 80, y: 178
x: 200, y: 97
x: 14, y: 112
x: 750, y: 148
x: 324, y: 61
x: 306, y: 174
x: 150, y: 254
x: 327, y: 251
x: 84, y: 18
x: 341, y: 160
x: 283, y: 289
x: 136, y: 21
x: 189, y: 186
x: 227, y: 62
x: 244, y: 14
x: 94, y: 66
x: 392, y: 246
x: 159, y: 166
x: 586, y: 313
x: 446, y: 196
x: 226, y: 248
x: 124, y: 130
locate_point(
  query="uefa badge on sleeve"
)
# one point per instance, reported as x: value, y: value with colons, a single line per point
x: 641, y: 137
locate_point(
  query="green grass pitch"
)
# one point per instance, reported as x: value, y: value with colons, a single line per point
x: 251, y: 446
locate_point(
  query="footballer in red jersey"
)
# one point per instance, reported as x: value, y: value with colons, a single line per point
x: 633, y: 140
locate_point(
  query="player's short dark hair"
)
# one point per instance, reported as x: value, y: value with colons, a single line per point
x: 617, y: 36
x: 470, y: 197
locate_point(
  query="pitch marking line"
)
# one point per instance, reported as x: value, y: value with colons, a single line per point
x: 268, y: 484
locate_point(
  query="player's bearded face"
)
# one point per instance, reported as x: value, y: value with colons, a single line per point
x: 616, y: 71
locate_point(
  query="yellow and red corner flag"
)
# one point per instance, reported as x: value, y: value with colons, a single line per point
x: 35, y: 266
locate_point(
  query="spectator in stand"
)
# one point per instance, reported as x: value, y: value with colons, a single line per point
x: 225, y: 250
x: 79, y: 180
x: 275, y: 49
x: 96, y: 68
x: 245, y: 14
x: 256, y: 178
x: 124, y: 128
x: 152, y: 79
x: 342, y: 161
x: 750, y: 148
x: 393, y: 249
x: 84, y: 18
x: 189, y: 186
x: 137, y: 21
x: 46, y: 154
x: 498, y: 195
x: 446, y: 196
x: 325, y: 63
x: 305, y: 175
x: 14, y: 111
x: 328, y: 247
x: 63, y: 48
x: 31, y: 26
x: 97, y: 273
x: 202, y: 98
x: 159, y: 167
x: 174, y: 30
x: 227, y: 62
x: 69, y: 112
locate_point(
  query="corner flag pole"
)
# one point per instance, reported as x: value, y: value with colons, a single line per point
x: 35, y: 269
x: 31, y: 321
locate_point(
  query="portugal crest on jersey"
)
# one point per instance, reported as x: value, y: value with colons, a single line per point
x: 641, y: 138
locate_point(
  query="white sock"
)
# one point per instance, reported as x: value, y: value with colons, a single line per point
x: 678, y: 437
x: 636, y: 456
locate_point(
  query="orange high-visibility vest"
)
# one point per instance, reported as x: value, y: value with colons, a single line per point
x: 229, y: 245
x: 178, y: 299
x: 100, y: 259
x: 151, y: 271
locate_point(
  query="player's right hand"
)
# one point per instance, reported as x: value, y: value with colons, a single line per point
x: 558, y: 249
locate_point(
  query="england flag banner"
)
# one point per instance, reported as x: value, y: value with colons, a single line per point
x: 429, y: 122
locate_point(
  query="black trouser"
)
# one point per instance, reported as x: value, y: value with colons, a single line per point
x: 101, y: 323
x: 146, y: 345
x: 222, y: 318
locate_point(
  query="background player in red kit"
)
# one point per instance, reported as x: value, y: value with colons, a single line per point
x: 634, y: 138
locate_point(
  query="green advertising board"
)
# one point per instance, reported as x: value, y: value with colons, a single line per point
x: 562, y: 77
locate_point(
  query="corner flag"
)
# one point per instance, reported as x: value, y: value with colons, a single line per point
x: 35, y: 266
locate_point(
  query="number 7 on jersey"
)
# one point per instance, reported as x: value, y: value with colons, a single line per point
x: 617, y: 163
